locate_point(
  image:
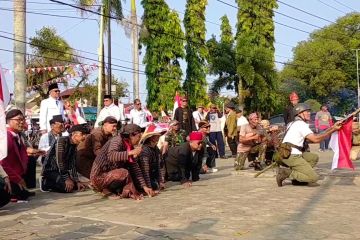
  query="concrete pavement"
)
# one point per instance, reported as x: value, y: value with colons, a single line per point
x: 222, y: 205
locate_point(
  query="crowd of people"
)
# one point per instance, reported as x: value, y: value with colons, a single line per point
x: 134, y: 158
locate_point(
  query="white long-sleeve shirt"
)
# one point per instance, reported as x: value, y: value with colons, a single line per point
x: 48, y: 108
x: 112, y: 110
x: 138, y: 117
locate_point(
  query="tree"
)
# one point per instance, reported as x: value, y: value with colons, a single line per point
x: 49, y: 49
x: 91, y: 90
x: 255, y: 55
x: 196, y: 52
x: 222, y: 59
x: 324, y: 67
x: 163, y: 38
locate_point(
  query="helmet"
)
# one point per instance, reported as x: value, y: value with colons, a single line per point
x: 293, y: 96
x: 301, y: 107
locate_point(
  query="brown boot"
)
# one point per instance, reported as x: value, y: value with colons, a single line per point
x: 281, y: 175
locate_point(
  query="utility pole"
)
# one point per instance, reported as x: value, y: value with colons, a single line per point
x: 100, y: 60
x: 357, y: 80
x: 20, y: 54
x: 108, y: 91
x: 135, y: 45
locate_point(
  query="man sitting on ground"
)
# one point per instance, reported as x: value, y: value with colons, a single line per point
x: 149, y: 158
x: 174, y: 137
x: 209, y: 149
x: 301, y: 163
x: 185, y: 160
x: 115, y: 164
x: 252, y: 143
x: 49, y: 138
x: 16, y: 162
x: 90, y: 148
x: 59, y: 171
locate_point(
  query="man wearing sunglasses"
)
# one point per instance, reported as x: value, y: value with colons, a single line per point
x: 50, y: 107
x: 109, y: 110
x: 184, y: 116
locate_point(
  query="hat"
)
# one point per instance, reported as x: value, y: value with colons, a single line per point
x: 110, y: 120
x: 293, y: 96
x: 196, y: 136
x: 204, y: 124
x: 52, y: 87
x: 152, y: 130
x: 107, y: 96
x: 253, y: 115
x: 83, y: 128
x: 230, y: 105
x: 131, y: 129
x: 173, y: 123
x: 57, y: 118
x: 13, y: 113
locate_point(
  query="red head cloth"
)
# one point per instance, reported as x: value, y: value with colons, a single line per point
x: 293, y: 96
x: 253, y: 115
x: 196, y: 136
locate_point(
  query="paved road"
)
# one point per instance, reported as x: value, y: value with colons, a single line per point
x: 223, y: 205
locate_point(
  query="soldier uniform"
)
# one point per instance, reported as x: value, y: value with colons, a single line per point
x: 175, y: 138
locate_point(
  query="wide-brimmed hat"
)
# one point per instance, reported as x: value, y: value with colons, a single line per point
x: 173, y: 123
x: 152, y: 130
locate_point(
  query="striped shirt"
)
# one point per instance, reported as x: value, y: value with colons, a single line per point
x: 62, y: 159
x: 113, y: 155
x: 149, y: 162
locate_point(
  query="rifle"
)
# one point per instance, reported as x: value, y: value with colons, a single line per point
x: 275, y: 164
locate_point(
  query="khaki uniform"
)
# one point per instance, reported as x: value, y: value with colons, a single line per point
x: 302, y: 167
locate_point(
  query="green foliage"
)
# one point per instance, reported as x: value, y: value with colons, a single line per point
x: 196, y: 52
x: 114, y: 5
x: 50, y: 50
x: 325, y: 65
x: 222, y: 59
x: 255, y: 55
x: 314, y: 105
x: 163, y: 38
x: 91, y: 90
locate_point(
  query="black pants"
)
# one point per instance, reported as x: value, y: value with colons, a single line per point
x: 210, y: 160
x: 232, y: 145
x: 52, y: 181
x: 4, y: 195
x: 30, y: 176
x: 173, y: 172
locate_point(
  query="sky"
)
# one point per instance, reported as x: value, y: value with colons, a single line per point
x: 83, y: 34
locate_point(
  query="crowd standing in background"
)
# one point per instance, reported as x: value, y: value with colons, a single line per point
x: 134, y: 157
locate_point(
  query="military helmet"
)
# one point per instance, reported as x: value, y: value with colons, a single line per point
x: 301, y: 107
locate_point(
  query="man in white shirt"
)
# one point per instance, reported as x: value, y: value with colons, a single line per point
x: 47, y: 139
x: 138, y: 115
x: 50, y: 107
x: 301, y: 163
x: 198, y: 115
x: 215, y: 136
x: 110, y: 109
x: 241, y: 120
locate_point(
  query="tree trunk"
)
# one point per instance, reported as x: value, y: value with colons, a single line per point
x: 241, y: 96
x: 20, y: 54
x: 101, y: 59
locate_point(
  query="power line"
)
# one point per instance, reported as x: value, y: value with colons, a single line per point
x: 83, y: 51
x: 332, y: 7
x: 340, y: 3
x: 303, y: 11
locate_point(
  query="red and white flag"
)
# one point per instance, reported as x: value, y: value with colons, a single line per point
x: 341, y: 144
x: 4, y: 100
x: 176, y: 103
